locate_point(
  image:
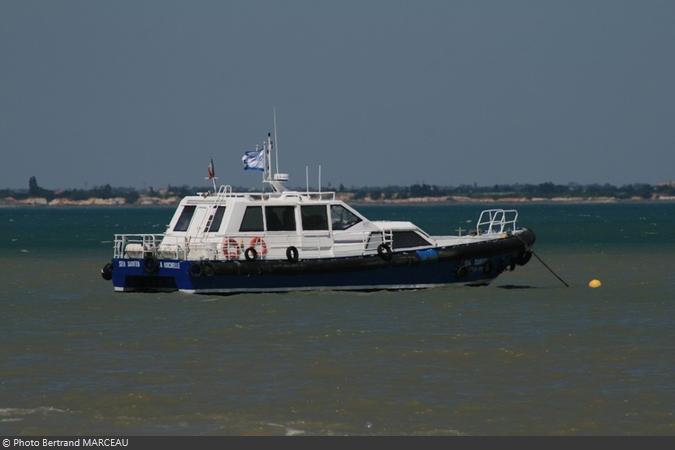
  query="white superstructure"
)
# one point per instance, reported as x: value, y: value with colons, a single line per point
x: 224, y: 225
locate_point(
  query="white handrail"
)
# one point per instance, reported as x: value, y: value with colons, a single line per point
x: 497, y: 221
x: 146, y: 243
x: 225, y: 191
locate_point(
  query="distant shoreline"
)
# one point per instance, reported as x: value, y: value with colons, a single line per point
x: 415, y: 194
x: 146, y: 202
x: 511, y: 201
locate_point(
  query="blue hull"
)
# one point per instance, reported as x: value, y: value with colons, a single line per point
x: 130, y: 275
x: 476, y: 263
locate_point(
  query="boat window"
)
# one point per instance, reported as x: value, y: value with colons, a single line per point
x: 314, y: 217
x: 185, y: 217
x: 253, y: 219
x: 280, y: 218
x: 342, y: 218
x: 408, y: 239
x: 217, y: 220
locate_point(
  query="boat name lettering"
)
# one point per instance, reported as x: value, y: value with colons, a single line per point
x: 170, y: 265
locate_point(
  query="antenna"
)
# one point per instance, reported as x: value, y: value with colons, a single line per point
x: 274, y: 178
x: 276, y: 140
x: 307, y: 177
x: 268, y: 150
x: 319, y: 178
x: 212, y: 175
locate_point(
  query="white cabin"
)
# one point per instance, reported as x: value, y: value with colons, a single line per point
x: 222, y: 226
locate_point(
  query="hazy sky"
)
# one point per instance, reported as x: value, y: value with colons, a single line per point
x: 136, y: 93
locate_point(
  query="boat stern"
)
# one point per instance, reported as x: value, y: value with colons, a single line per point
x: 148, y: 275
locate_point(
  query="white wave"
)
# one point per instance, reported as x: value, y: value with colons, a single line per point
x: 293, y: 432
x: 8, y: 412
x: 288, y: 430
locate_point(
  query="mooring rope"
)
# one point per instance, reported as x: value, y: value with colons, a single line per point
x: 527, y: 248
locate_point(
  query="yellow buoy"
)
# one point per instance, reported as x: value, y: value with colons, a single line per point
x: 594, y: 283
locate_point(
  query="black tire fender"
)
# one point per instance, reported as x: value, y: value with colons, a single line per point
x: 106, y: 272
x: 251, y: 254
x: 292, y: 254
x: 524, y: 258
x: 196, y: 270
x: 208, y: 270
x: 462, y: 271
x: 150, y: 264
x: 384, y: 251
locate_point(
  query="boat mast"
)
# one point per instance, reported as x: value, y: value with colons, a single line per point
x: 268, y: 157
x: 271, y: 174
x: 276, y: 140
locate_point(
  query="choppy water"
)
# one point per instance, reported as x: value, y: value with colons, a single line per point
x: 522, y: 356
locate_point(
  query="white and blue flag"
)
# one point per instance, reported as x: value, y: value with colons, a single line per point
x: 254, y: 160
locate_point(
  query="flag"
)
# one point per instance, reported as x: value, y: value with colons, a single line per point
x: 254, y: 160
x: 211, y: 170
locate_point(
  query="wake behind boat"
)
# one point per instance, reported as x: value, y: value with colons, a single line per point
x: 225, y: 242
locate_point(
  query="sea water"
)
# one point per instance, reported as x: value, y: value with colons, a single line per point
x: 525, y: 355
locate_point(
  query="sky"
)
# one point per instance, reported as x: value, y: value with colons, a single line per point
x: 448, y: 92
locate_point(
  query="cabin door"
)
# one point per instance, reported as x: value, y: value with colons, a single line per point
x: 316, y: 244
x: 317, y: 241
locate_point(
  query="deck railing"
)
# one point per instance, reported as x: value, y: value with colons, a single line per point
x: 145, y: 244
x: 497, y: 221
x: 225, y: 192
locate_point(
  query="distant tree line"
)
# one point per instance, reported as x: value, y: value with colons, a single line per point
x: 131, y: 195
x: 544, y: 190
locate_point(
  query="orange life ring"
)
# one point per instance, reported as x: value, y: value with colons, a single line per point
x: 259, y: 241
x: 231, y: 249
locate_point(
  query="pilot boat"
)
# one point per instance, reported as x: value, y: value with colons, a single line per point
x: 225, y: 242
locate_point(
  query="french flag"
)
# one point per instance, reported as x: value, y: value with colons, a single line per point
x: 211, y: 170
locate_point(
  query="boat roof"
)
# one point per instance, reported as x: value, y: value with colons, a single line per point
x: 223, y: 197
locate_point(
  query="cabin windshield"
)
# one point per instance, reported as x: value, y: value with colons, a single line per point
x: 343, y: 218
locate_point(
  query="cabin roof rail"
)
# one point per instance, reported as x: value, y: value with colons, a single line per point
x: 497, y: 221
